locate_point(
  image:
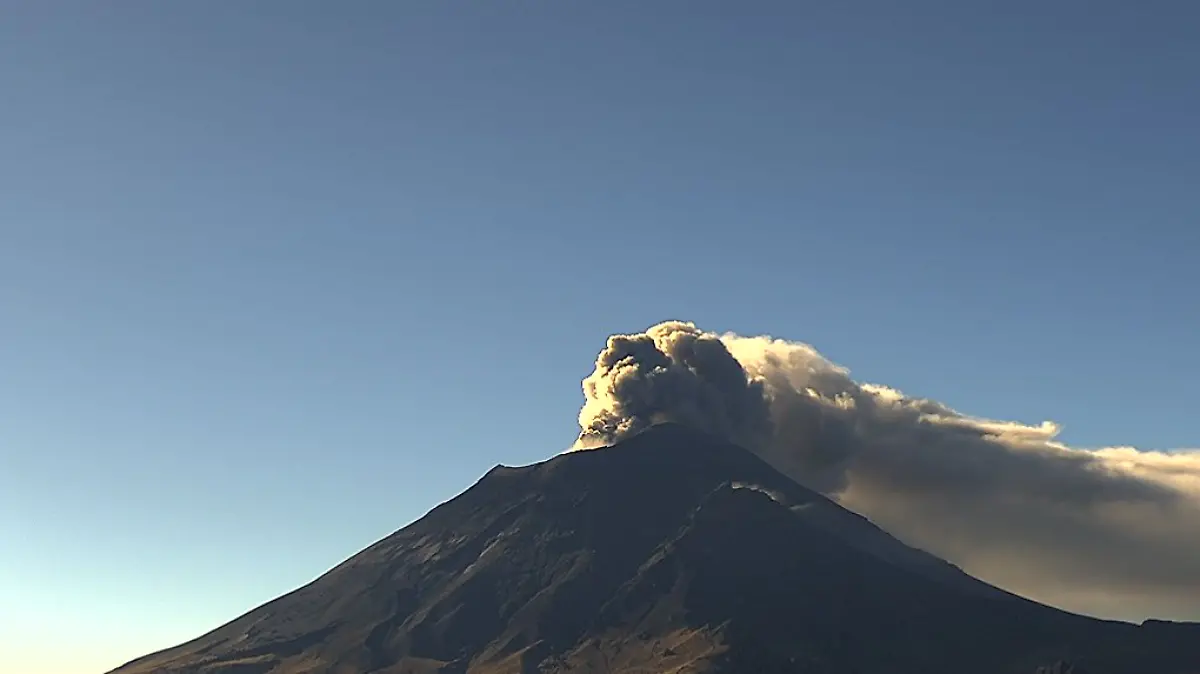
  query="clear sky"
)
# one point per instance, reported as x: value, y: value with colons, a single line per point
x: 277, y: 277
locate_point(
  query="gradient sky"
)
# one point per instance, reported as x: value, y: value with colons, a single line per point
x: 277, y: 277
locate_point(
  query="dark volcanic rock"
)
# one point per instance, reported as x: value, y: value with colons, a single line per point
x: 670, y: 552
x: 1061, y: 667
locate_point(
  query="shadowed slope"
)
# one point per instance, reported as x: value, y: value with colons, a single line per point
x: 670, y: 551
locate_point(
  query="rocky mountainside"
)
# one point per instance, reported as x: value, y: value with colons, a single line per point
x: 670, y: 552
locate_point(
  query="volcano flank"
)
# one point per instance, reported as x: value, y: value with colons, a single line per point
x: 670, y: 551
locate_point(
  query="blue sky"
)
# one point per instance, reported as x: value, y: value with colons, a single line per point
x: 277, y: 278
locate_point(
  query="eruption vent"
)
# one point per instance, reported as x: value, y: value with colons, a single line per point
x: 1114, y: 531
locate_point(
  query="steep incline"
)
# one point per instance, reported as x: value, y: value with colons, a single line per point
x: 669, y: 552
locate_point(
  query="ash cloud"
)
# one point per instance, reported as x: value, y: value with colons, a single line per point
x: 1112, y: 532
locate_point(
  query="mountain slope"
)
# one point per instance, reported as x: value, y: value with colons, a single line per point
x: 668, y: 552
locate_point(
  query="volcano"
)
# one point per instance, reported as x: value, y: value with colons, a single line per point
x: 671, y: 551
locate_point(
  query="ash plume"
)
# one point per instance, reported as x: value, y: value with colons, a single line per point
x: 1112, y: 532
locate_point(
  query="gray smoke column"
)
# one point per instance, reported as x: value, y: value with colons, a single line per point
x: 1113, y: 531
x: 671, y: 372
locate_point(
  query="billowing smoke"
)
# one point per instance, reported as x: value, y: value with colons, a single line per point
x: 1113, y: 532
